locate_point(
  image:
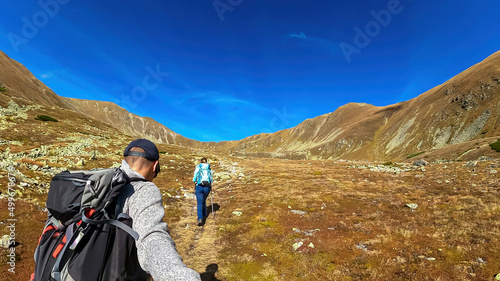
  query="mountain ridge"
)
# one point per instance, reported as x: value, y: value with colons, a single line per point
x: 20, y: 83
x: 462, y: 109
x: 455, y: 112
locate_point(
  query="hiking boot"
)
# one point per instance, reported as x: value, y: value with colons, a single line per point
x: 200, y: 222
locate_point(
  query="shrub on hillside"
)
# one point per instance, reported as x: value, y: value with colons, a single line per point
x: 496, y: 145
x: 2, y: 89
x: 45, y: 118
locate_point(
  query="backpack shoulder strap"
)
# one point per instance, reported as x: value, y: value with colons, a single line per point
x: 116, y: 223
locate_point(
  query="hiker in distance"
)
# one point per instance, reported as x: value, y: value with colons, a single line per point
x: 124, y: 238
x: 203, y: 184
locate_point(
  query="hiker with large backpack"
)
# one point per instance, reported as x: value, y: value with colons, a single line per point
x: 108, y: 225
x: 203, y: 184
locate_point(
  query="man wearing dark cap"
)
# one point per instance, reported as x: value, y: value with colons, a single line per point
x: 156, y: 250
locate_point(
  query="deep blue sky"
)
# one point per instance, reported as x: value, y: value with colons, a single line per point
x: 228, y: 69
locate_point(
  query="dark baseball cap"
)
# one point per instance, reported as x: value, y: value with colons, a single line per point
x: 151, y: 152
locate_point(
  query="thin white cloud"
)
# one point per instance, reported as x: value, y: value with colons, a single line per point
x: 216, y: 99
x: 47, y: 74
x: 298, y: 35
x: 325, y: 43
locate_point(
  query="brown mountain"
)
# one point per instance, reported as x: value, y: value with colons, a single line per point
x: 23, y: 86
x: 451, y: 120
x: 127, y: 122
x: 464, y: 109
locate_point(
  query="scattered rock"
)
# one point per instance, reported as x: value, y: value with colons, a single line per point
x: 298, y: 212
x: 412, y: 206
x: 471, y: 164
x: 237, y: 213
x: 222, y: 176
x: 297, y: 245
x: 5, y: 241
x: 485, y: 158
x: 362, y: 246
x: 420, y: 163
x: 188, y: 195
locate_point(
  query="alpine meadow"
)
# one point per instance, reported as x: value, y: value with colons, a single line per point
x: 409, y: 191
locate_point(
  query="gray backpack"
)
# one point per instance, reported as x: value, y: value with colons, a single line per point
x: 87, y: 237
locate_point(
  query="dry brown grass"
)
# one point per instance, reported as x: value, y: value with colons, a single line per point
x: 359, y: 226
x: 356, y: 219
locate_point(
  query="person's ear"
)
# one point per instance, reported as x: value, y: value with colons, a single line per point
x: 156, y: 167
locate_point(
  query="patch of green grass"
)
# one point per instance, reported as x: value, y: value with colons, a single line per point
x: 388, y: 163
x: 415, y: 154
x: 318, y: 173
x: 2, y: 89
x: 496, y: 145
x: 45, y: 118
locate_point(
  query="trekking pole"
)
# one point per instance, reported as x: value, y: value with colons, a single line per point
x: 212, y: 196
x: 194, y: 197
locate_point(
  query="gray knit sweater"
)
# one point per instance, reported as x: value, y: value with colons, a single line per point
x: 155, y: 248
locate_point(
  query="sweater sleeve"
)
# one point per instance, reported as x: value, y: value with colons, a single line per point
x: 155, y: 248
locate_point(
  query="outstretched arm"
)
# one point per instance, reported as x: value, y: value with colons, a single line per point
x: 155, y: 248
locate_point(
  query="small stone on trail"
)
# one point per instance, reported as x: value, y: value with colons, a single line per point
x: 297, y: 245
x: 412, y: 206
x: 420, y: 163
x: 189, y: 195
x: 237, y: 213
x: 298, y: 212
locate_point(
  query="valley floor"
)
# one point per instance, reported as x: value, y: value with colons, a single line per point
x: 312, y: 220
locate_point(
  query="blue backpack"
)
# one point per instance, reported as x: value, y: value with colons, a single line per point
x: 205, y: 175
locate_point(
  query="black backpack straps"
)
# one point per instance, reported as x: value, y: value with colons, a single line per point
x: 116, y: 223
x: 56, y: 270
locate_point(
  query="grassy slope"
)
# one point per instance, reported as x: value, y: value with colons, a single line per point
x: 355, y: 218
